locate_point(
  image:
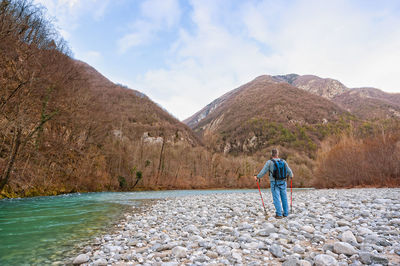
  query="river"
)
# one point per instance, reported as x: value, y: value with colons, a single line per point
x: 43, y: 230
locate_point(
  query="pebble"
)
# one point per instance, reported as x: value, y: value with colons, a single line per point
x: 291, y: 262
x: 298, y: 249
x: 325, y: 260
x: 327, y: 227
x: 344, y: 248
x: 308, y: 229
x: 179, y: 252
x: 349, y: 237
x: 101, y: 262
x: 276, y: 250
x: 82, y: 258
x: 379, y: 260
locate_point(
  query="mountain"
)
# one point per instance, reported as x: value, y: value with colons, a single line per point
x: 370, y: 103
x: 265, y: 112
x: 122, y: 108
x: 327, y: 88
x: 365, y: 103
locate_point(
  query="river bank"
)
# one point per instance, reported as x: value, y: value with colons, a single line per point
x: 327, y: 227
x: 47, y: 230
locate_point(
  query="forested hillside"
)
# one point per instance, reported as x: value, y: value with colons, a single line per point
x: 66, y: 128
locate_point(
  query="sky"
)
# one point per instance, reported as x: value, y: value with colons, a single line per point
x: 183, y: 54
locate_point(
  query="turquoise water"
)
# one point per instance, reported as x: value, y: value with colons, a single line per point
x: 42, y: 230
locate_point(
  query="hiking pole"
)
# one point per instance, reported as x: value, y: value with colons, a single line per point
x: 262, y: 200
x: 291, y: 206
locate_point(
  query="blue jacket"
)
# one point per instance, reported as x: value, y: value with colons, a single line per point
x: 269, y: 167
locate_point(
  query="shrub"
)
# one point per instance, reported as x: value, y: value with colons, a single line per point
x: 350, y: 162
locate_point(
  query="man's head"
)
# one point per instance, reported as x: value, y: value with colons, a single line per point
x: 275, y: 153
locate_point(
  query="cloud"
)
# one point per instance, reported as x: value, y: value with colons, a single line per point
x: 91, y: 57
x: 206, y: 63
x: 69, y: 12
x: 339, y: 39
x: 194, y: 51
x: 230, y: 44
x: 155, y: 16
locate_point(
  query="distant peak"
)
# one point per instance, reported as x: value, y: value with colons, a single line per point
x: 289, y: 78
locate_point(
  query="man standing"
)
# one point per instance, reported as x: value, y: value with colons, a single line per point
x: 278, y: 171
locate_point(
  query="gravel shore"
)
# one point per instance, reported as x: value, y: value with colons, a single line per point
x: 326, y: 227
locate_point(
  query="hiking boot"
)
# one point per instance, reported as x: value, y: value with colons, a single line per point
x: 278, y: 217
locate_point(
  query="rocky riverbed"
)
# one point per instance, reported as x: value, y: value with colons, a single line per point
x: 326, y: 227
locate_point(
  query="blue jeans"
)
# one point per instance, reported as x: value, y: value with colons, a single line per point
x: 278, y: 189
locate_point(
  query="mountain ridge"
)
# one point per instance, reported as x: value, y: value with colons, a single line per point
x: 328, y: 88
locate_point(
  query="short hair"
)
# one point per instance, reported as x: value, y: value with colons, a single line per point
x: 274, y: 152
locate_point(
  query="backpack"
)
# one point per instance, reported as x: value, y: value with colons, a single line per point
x: 279, y: 172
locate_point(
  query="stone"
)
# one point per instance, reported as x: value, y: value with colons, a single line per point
x: 305, y: 263
x: 364, y: 231
x: 318, y: 238
x: 201, y: 259
x: 191, y: 229
x: 308, y: 229
x: 276, y: 250
x: 205, y: 244
x: 328, y: 247
x: 349, y: 237
x: 169, y: 263
x: 100, y: 262
x: 227, y: 229
x: 298, y: 249
x: 267, y: 229
x: 223, y: 250
x: 274, y: 236
x: 237, y: 256
x: 114, y: 249
x: 179, y: 252
x: 82, y: 258
x: 382, y: 201
x: 291, y: 262
x: 384, y: 243
x: 343, y: 223
x: 252, y: 245
x: 325, y: 260
x: 330, y: 253
x: 395, y: 222
x: 365, y: 257
x: 372, y: 239
x: 379, y: 260
x: 212, y: 254
x: 343, y: 248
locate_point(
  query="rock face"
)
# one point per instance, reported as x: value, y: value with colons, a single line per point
x: 325, y: 87
x: 231, y: 229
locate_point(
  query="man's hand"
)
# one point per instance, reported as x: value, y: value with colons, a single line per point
x: 255, y: 178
